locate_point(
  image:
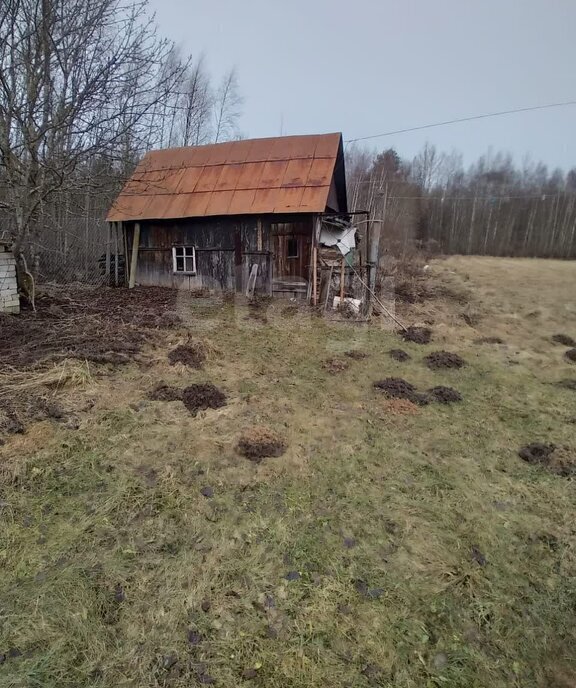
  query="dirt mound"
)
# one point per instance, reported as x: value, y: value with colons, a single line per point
x: 418, y: 335
x: 203, y: 396
x: 445, y: 395
x: 564, y: 339
x: 397, y: 388
x: 489, y: 340
x: 444, y: 359
x: 259, y: 442
x: 191, y: 355
x: 356, y: 354
x: 558, y: 460
x: 164, y: 392
x: 400, y: 407
x: 399, y: 355
x: 335, y: 365
x: 568, y: 384
x: 571, y: 355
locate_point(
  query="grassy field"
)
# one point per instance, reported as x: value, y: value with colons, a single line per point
x: 391, y: 545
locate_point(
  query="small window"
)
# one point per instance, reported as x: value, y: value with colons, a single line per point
x: 184, y: 259
x: 292, y: 248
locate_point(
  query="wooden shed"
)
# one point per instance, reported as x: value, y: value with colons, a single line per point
x: 230, y: 215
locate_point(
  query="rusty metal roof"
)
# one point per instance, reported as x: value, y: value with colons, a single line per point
x: 288, y: 174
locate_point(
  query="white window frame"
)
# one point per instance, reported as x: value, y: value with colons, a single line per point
x: 188, y: 252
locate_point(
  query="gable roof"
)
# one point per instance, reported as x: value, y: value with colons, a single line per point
x: 288, y: 174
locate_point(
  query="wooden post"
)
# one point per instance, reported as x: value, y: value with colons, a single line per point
x: 342, y: 268
x: 108, y: 251
x: 117, y: 256
x: 134, y: 258
x: 314, y: 275
x: 125, y: 247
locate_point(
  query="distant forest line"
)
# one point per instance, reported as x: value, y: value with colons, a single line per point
x: 492, y: 208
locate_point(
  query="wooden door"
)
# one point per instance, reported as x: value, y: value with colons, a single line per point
x: 291, y: 246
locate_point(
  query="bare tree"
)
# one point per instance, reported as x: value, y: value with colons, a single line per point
x: 227, y: 107
x: 79, y: 82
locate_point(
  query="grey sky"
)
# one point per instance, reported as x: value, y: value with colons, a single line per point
x: 363, y: 67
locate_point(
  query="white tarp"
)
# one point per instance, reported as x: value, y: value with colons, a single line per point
x: 344, y: 239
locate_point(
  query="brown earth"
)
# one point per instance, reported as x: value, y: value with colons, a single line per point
x: 397, y: 388
x: 191, y: 355
x: 102, y: 325
x: 571, y: 355
x: 418, y: 335
x: 203, y: 396
x: 558, y: 460
x: 444, y: 359
x: 259, y: 442
x: 164, y: 392
x: 445, y: 395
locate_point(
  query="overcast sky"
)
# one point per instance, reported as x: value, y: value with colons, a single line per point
x: 367, y: 66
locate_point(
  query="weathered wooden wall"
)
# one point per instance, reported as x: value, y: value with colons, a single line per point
x: 226, y: 250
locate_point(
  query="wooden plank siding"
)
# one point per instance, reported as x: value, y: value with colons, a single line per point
x: 226, y: 249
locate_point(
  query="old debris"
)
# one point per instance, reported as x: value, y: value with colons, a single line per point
x: 259, y: 442
x: 444, y: 359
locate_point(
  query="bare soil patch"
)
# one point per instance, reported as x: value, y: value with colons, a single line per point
x: 259, y: 442
x: 203, y: 396
x: 418, y: 335
x: 445, y: 395
x: 564, y: 339
x: 571, y: 355
x: 101, y: 325
x: 397, y: 388
x: 399, y: 355
x: 191, y: 355
x: 558, y: 460
x: 444, y: 359
x: 336, y: 365
x: 164, y: 392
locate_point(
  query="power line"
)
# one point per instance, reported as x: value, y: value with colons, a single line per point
x: 464, y: 119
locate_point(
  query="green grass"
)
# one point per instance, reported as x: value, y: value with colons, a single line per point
x: 118, y: 503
